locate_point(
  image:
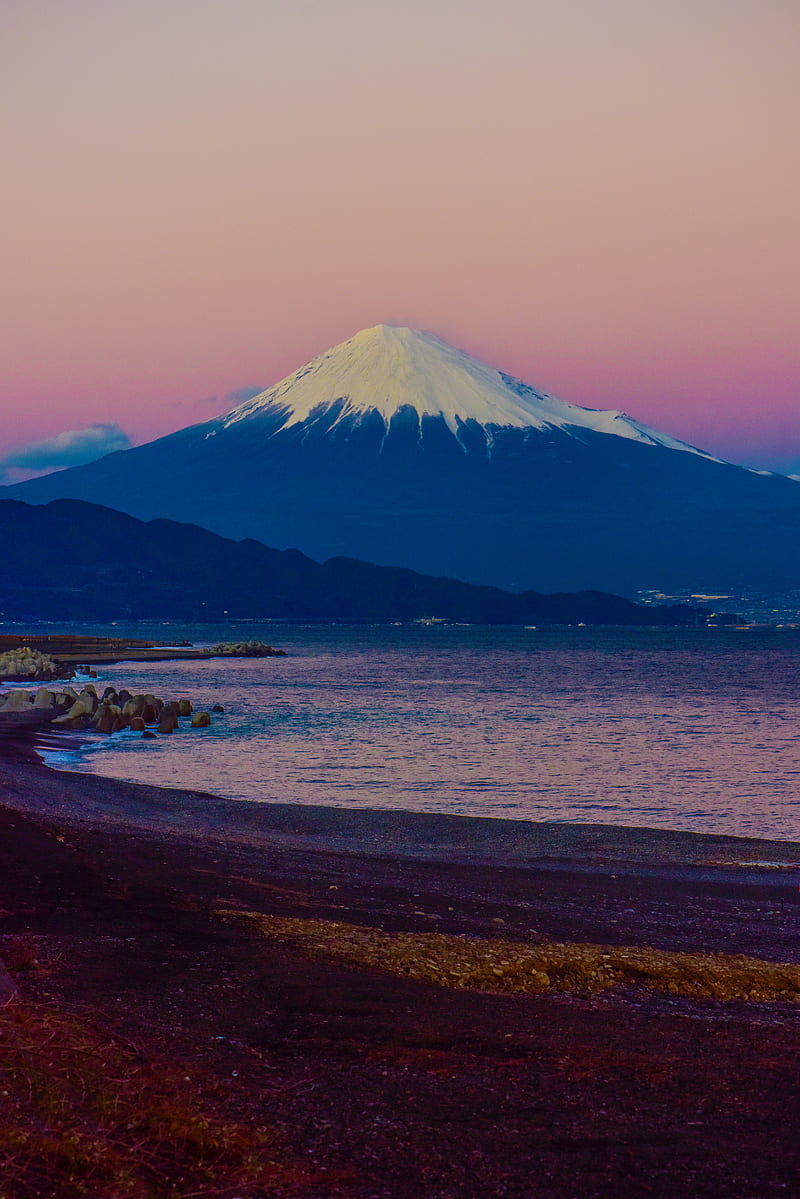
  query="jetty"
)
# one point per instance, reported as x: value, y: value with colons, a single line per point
x: 71, y: 649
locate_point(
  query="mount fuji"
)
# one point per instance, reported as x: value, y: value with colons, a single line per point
x: 396, y: 448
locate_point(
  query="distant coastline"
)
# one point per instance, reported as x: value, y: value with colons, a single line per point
x: 104, y: 565
x: 71, y: 650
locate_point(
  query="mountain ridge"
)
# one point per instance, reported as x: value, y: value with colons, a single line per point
x: 102, y: 564
x: 544, y: 506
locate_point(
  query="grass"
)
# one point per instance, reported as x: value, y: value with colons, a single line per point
x: 497, y: 965
x: 83, y: 1113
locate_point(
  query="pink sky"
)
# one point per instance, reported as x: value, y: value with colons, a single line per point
x: 599, y: 198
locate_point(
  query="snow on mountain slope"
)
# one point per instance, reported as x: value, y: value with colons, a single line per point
x: 387, y: 368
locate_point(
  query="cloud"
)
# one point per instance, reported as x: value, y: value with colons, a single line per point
x: 243, y: 393
x: 219, y: 404
x: 70, y: 448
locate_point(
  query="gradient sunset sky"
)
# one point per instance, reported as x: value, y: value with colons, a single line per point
x: 599, y: 196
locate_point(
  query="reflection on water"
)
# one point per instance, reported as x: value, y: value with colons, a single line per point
x: 695, y: 730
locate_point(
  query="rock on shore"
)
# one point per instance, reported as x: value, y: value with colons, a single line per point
x: 116, y: 710
x: 247, y: 649
x: 27, y: 663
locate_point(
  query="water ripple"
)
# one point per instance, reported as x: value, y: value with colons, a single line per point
x: 681, y: 730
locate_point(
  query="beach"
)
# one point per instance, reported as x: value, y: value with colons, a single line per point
x: 121, y: 905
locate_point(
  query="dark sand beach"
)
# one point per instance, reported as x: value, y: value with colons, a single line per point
x: 118, y: 911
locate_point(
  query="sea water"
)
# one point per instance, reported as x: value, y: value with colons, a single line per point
x: 696, y: 730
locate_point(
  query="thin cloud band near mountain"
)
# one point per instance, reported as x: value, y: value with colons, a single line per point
x: 73, y: 447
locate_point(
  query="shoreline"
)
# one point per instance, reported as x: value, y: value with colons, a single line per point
x: 77, y: 797
x: 637, y: 886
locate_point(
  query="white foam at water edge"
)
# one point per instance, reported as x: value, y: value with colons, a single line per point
x: 70, y: 755
x: 32, y: 686
x: 59, y: 758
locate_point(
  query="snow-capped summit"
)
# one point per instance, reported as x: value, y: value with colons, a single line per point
x: 386, y: 369
x: 398, y: 449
